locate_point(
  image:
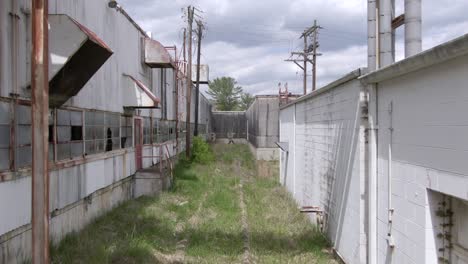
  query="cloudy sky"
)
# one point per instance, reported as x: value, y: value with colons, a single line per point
x: 249, y: 40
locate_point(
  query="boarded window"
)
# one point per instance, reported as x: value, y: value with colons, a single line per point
x: 127, y: 132
x: 69, y: 134
x: 4, y: 136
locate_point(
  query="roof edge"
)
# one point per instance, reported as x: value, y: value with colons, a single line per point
x: 438, y: 54
x: 346, y: 78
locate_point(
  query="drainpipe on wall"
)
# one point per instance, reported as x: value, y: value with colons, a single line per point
x: 40, y: 131
x: 373, y: 64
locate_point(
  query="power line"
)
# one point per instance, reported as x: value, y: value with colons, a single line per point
x: 309, y: 50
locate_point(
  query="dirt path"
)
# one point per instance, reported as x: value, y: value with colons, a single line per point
x: 246, y: 259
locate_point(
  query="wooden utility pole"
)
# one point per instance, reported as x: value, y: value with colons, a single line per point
x: 40, y: 132
x: 190, y: 11
x: 185, y: 51
x: 197, y: 90
x: 308, y: 51
x: 305, y: 65
x: 314, y: 57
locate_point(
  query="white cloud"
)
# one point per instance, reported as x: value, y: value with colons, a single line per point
x: 249, y: 40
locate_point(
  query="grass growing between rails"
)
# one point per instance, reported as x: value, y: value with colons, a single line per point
x: 202, y: 220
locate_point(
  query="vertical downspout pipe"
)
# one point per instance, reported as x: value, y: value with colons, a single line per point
x: 40, y: 132
x: 413, y: 29
x: 373, y: 64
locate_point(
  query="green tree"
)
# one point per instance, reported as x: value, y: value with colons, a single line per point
x: 225, y: 93
x: 246, y: 100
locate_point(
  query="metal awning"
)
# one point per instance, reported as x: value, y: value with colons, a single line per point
x: 76, y: 54
x: 204, y: 73
x: 156, y: 55
x: 138, y: 95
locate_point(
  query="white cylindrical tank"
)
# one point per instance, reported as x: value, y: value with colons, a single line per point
x: 371, y: 35
x: 413, y: 30
x: 386, y: 38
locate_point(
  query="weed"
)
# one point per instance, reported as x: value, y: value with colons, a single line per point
x: 201, y: 151
x: 203, y: 209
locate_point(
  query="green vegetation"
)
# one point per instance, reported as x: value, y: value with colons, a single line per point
x: 227, y: 96
x: 201, y: 151
x: 200, y: 221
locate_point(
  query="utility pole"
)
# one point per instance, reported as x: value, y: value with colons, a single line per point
x: 314, y: 57
x: 185, y: 50
x: 190, y: 11
x: 197, y: 90
x: 40, y: 132
x: 305, y: 65
x: 308, y: 51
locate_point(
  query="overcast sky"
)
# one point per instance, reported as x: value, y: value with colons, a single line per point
x: 250, y: 39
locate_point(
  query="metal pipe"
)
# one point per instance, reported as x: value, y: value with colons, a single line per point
x: 384, y: 21
x: 371, y: 35
x: 413, y: 29
x: 40, y: 131
x: 373, y: 64
x: 390, y: 240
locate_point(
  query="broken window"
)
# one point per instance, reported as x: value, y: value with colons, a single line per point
x: 4, y: 136
x: 155, y: 130
x: 127, y: 132
x: 112, y: 131
x: 69, y: 134
x: 147, y: 130
x: 172, y: 134
x: 23, y: 154
x: 95, y: 134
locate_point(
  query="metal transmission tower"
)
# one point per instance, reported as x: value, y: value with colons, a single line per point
x: 310, y: 50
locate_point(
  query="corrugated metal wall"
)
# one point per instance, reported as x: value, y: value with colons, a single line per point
x: 78, y: 176
x: 229, y: 122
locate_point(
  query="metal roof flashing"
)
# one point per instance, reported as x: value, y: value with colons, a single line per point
x: 436, y: 55
x: 348, y: 77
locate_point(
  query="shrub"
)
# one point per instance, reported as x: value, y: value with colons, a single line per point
x: 201, y: 151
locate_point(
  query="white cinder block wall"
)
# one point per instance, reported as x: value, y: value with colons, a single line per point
x: 429, y: 156
x: 422, y: 172
x: 324, y: 164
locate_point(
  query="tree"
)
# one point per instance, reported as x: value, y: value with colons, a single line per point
x: 246, y: 100
x: 225, y: 93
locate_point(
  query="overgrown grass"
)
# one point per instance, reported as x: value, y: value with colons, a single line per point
x: 202, y: 209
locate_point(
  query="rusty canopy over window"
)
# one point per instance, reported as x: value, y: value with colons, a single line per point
x: 76, y: 54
